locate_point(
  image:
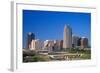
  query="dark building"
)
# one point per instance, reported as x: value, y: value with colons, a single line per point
x: 30, y: 37
x: 82, y: 42
x: 79, y: 42
x: 61, y: 44
x: 75, y: 41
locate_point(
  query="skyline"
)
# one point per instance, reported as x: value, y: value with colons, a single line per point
x: 53, y: 24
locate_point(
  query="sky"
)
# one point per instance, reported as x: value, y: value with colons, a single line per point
x: 49, y: 25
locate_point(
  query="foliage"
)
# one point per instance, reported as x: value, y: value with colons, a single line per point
x: 38, y: 58
x: 86, y: 56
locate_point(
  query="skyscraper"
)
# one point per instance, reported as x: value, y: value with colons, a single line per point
x: 48, y: 45
x: 79, y: 41
x: 61, y: 44
x: 30, y: 37
x: 37, y: 44
x: 67, y: 37
x: 75, y: 40
x: 84, y: 42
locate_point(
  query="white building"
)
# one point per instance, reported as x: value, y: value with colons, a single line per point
x: 48, y: 45
x: 37, y: 45
x: 57, y: 45
x: 52, y: 45
x: 67, y: 37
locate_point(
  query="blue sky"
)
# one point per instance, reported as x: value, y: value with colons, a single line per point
x: 50, y: 25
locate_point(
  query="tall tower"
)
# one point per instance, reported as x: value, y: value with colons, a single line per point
x: 67, y: 37
x: 30, y: 37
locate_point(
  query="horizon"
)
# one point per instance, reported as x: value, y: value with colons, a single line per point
x: 53, y: 24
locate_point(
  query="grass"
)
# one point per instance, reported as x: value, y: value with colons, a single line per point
x: 38, y: 58
x: 86, y: 56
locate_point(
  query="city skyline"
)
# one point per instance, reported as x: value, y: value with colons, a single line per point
x: 53, y: 24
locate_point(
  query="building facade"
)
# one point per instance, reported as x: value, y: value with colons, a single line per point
x: 67, y: 37
x: 48, y: 45
x: 37, y: 45
x: 30, y: 37
x: 84, y: 42
x: 75, y: 41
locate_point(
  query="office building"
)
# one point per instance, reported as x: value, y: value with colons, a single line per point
x: 29, y: 38
x: 67, y: 37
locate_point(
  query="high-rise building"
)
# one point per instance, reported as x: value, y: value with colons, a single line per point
x: 48, y: 45
x: 79, y: 42
x: 53, y: 45
x: 57, y: 45
x: 84, y: 42
x: 75, y: 42
x: 61, y: 44
x: 34, y: 45
x: 37, y: 45
x: 67, y: 37
x: 30, y: 37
